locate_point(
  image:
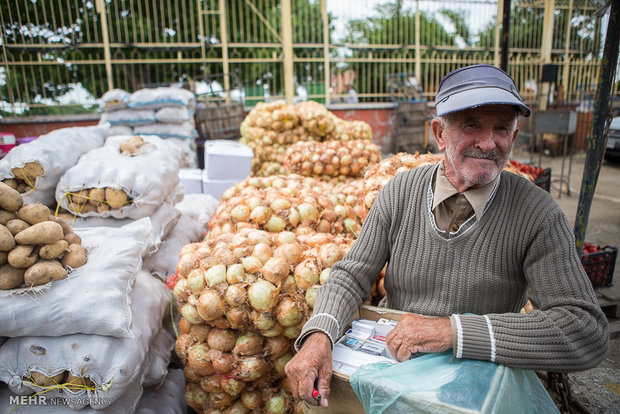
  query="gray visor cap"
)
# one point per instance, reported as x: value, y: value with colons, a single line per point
x: 474, y: 86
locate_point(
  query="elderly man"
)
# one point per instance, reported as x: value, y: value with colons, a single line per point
x: 463, y: 241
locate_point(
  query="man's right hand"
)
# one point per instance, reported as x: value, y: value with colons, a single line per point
x: 312, y: 364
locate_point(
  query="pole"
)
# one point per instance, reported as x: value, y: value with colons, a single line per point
x: 100, y: 4
x: 505, y: 35
x: 224, y: 34
x: 545, y: 52
x: 597, y: 140
x: 496, y: 49
x: 287, y: 49
x: 326, y: 42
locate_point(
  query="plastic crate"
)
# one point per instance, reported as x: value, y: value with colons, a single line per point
x: 599, y: 266
x: 544, y: 180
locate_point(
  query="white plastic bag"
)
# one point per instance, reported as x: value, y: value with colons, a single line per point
x: 158, y: 359
x: 147, y: 178
x: 115, y: 99
x: 93, y: 299
x: 168, y: 398
x: 56, y: 152
x: 174, y: 114
x: 128, y: 117
x: 121, y: 130
x: 162, y: 264
x: 115, y: 365
x: 199, y: 207
x: 160, y: 97
x: 184, y: 130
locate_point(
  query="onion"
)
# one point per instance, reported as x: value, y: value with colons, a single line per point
x: 263, y: 295
x: 195, y: 396
x: 211, y: 383
x: 276, y: 330
x: 235, y: 295
x: 341, y: 211
x: 262, y: 321
x: 288, y: 312
x: 277, y: 346
x: 190, y: 375
x: 306, y: 273
x: 250, y: 368
x: 184, y: 326
x: 251, y: 399
x: 275, y: 224
x: 220, y: 323
x: 237, y: 317
x: 182, y: 345
x: 222, y: 339
x: 280, y: 204
x: 191, y: 314
x: 262, y: 251
x: 286, y: 386
x: 252, y: 264
x: 196, y: 280
x: 285, y: 237
x: 253, y: 202
x: 293, y: 331
x: 215, y: 275
x: 186, y: 264
x: 237, y: 408
x: 280, y: 362
x: 324, y: 275
x: 311, y: 295
x: 199, y: 332
x: 220, y: 400
x: 289, y: 285
x: 293, y: 216
x: 275, y: 269
x: 232, y: 386
x: 198, y: 360
x: 277, y: 404
x: 240, y: 213
x: 209, y: 261
x: 222, y: 362
x: 180, y: 290
x: 350, y: 225
x: 249, y: 343
x: 329, y: 254
x: 289, y: 252
x: 260, y: 214
x: 259, y: 236
x: 210, y: 306
x: 235, y: 274
x: 308, y: 213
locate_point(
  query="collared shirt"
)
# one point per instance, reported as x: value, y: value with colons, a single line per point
x: 451, y: 208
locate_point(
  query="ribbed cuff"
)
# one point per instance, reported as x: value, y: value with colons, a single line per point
x: 322, y: 322
x: 474, y: 337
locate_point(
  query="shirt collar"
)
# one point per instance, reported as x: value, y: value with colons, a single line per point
x: 477, y: 197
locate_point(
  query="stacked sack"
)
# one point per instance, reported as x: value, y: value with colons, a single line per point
x: 165, y: 112
x: 270, y: 129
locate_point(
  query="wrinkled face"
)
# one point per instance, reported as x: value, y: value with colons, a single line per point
x: 477, y: 143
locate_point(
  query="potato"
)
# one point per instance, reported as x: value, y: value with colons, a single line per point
x: 4, y: 257
x: 66, y: 228
x: 29, y: 172
x: 73, y: 239
x: 10, y: 199
x: 75, y: 257
x: 115, y: 198
x: 96, y: 196
x: 43, y: 272
x: 44, y: 381
x: 11, y: 183
x: 46, y: 232
x: 78, y: 383
x: 54, y: 250
x: 33, y: 213
x: 6, y: 216
x: 22, y: 256
x: 16, y: 225
x: 7, y: 241
x: 10, y: 277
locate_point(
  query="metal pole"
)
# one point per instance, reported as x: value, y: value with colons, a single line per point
x: 326, y: 41
x: 418, y: 50
x: 545, y: 52
x: 597, y: 140
x: 566, y: 50
x: 224, y: 34
x: 496, y: 50
x: 287, y: 49
x: 100, y: 4
x: 505, y: 35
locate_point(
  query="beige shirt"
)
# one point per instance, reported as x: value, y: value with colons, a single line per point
x: 452, y: 209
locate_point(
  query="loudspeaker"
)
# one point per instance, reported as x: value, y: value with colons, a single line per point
x: 549, y: 73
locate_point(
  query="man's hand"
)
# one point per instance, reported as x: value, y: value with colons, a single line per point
x: 313, y: 363
x: 417, y: 333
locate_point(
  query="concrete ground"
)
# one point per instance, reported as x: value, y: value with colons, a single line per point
x: 596, y: 390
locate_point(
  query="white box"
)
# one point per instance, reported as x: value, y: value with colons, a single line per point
x: 227, y: 160
x: 216, y: 188
x: 192, y: 179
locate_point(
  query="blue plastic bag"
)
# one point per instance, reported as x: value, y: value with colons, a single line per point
x: 441, y: 383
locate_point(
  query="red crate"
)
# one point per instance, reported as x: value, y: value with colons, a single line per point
x: 599, y: 266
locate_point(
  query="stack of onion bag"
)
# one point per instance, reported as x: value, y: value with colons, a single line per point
x: 166, y: 112
x: 35, y: 168
x: 244, y: 298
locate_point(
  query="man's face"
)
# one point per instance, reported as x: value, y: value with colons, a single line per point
x: 477, y: 143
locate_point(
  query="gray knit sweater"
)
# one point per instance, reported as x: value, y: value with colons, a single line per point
x: 479, y: 277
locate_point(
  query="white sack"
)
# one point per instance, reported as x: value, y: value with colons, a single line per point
x: 113, y: 364
x: 184, y: 130
x: 200, y: 207
x: 160, y: 97
x: 168, y: 398
x: 128, y: 117
x: 56, y: 151
x: 158, y: 359
x: 93, y: 299
x: 148, y: 178
x: 115, y: 99
x: 120, y: 130
x: 188, y: 148
x: 174, y: 114
x: 163, y: 263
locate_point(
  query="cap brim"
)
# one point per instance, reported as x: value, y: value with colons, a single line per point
x: 473, y: 98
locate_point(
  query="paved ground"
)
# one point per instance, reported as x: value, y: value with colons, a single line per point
x: 596, y: 390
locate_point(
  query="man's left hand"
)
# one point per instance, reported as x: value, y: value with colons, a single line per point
x: 417, y: 333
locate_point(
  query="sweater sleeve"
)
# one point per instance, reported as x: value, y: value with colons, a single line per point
x: 566, y: 332
x: 351, y: 279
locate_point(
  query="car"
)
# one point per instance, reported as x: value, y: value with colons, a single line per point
x: 613, y: 140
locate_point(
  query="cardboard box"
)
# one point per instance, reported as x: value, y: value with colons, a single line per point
x: 342, y: 399
x: 191, y: 178
x: 216, y: 188
x: 227, y: 160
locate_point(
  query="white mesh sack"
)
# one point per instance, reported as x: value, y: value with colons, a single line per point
x: 128, y: 117
x: 93, y: 299
x: 199, y: 207
x: 184, y: 130
x: 163, y: 220
x: 162, y: 264
x: 112, y: 364
x: 145, y: 179
x: 55, y: 153
x: 161, y: 97
x: 168, y: 398
x: 158, y: 359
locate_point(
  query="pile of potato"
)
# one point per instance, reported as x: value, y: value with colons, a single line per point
x: 133, y: 146
x: 97, y: 199
x: 24, y: 177
x: 35, y: 247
